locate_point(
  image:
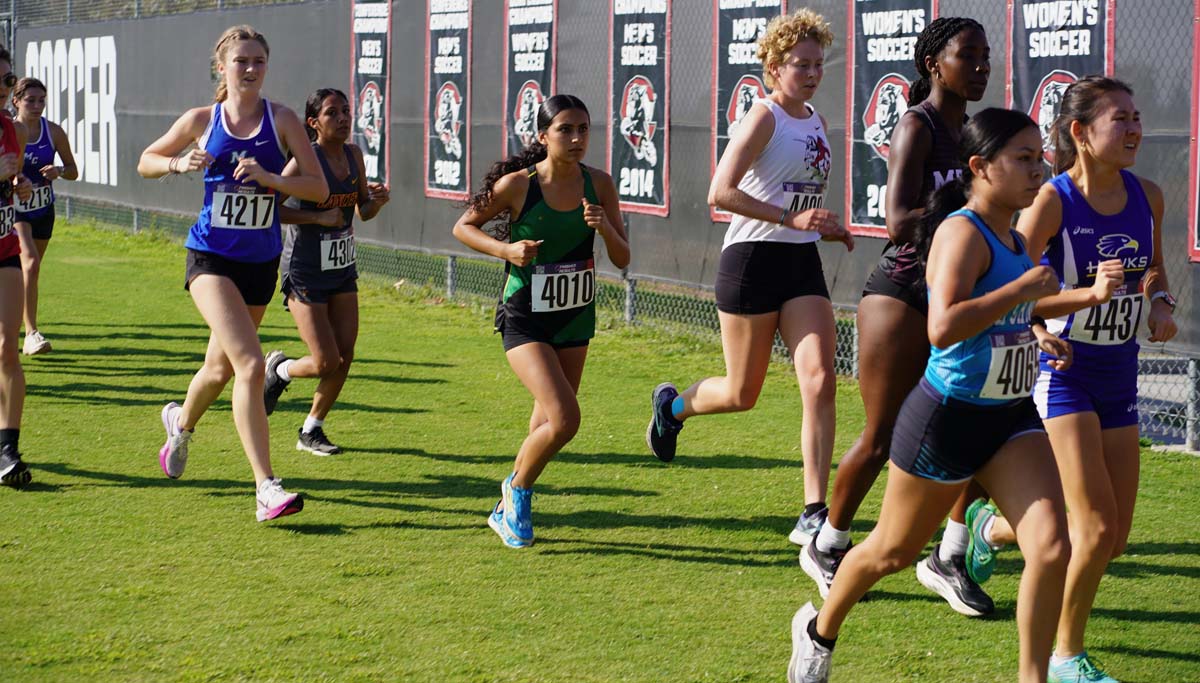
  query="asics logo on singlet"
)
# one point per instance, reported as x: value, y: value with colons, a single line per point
x: 1080, y: 230
x: 1110, y: 246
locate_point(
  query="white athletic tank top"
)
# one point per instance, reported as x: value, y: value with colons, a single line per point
x: 792, y: 171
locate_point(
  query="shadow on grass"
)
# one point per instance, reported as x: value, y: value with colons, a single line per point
x: 718, y: 555
x: 1151, y: 653
x: 707, y: 462
x: 138, y: 481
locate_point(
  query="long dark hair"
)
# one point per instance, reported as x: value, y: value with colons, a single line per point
x: 984, y: 135
x: 527, y: 157
x: 1080, y: 102
x: 312, y: 108
x: 930, y: 43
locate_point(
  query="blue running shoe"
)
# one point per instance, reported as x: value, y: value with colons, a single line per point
x: 518, y: 517
x: 663, y: 431
x: 981, y: 557
x: 1078, y: 669
x: 496, y: 521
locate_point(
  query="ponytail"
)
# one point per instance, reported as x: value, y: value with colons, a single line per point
x: 919, y: 90
x: 944, y: 201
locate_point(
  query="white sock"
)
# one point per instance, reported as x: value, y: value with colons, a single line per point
x: 282, y: 370
x: 954, y: 541
x: 311, y: 423
x: 829, y: 538
x: 987, y: 533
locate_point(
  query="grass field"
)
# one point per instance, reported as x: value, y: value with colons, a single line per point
x: 642, y: 571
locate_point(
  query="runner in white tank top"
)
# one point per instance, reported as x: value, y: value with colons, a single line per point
x: 773, y: 178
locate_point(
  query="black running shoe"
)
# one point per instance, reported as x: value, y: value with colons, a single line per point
x: 275, y: 385
x: 951, y: 581
x: 663, y: 430
x: 820, y: 566
x: 13, y: 472
x: 316, y: 442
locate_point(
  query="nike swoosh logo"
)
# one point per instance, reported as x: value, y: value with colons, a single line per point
x: 261, y: 142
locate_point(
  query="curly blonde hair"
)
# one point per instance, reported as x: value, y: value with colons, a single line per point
x: 784, y: 32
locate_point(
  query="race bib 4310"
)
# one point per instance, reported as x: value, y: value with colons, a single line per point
x: 337, y: 252
x: 561, y: 286
x: 1013, y: 367
x: 242, y: 207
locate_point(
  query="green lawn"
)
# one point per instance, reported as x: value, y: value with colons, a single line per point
x: 642, y: 572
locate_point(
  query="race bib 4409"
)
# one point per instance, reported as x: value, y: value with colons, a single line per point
x: 1013, y: 367
x: 804, y: 196
x: 561, y: 286
x: 242, y: 207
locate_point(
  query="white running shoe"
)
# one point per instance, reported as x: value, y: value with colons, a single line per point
x: 274, y: 502
x: 810, y: 661
x: 35, y: 343
x: 173, y: 455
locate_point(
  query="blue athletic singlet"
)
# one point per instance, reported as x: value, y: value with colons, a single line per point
x: 239, y: 220
x: 38, y: 154
x: 1104, y: 337
x: 999, y: 364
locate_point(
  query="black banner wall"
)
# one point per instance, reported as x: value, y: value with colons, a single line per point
x: 737, y: 77
x: 881, y: 34
x: 530, y: 48
x: 447, y: 98
x: 1050, y: 46
x: 370, y: 94
x: 639, y: 103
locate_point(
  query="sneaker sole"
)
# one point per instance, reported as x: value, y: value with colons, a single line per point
x: 509, y: 540
x: 938, y: 585
x: 814, y: 572
x: 44, y: 348
x: 650, y: 427
x: 18, y: 475
x: 800, y: 538
x: 301, y: 447
x: 289, y: 508
x: 267, y: 403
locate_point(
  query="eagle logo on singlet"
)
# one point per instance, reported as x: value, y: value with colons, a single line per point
x: 1111, y: 246
x: 529, y: 102
x: 817, y: 157
x: 748, y: 89
x: 370, y: 115
x: 448, y: 123
x: 888, y: 101
x: 638, y: 125
x: 1047, y: 100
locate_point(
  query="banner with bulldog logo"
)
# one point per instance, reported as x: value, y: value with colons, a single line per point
x: 371, y: 49
x: 1052, y: 45
x: 530, y: 48
x: 639, y: 103
x: 882, y: 35
x: 447, y: 98
x: 737, y: 77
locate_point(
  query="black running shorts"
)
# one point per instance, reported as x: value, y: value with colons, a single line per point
x: 11, y: 262
x: 914, y: 294
x: 295, y: 288
x: 43, y: 225
x: 759, y: 277
x: 255, y: 281
x: 949, y: 440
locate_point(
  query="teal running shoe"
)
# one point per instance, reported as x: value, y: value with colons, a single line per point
x: 981, y: 557
x: 1078, y: 669
x: 496, y: 521
x: 518, y: 517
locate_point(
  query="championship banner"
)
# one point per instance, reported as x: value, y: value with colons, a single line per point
x: 639, y: 103
x: 447, y: 98
x: 1050, y: 46
x: 530, y: 49
x: 882, y: 34
x: 738, y: 76
x: 1194, y: 194
x: 370, y: 98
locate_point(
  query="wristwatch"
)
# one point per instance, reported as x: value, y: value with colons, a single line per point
x: 1165, y: 296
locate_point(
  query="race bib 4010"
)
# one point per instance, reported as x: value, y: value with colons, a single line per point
x: 562, y: 286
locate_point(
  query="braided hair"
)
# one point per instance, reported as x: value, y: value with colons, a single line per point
x: 930, y: 43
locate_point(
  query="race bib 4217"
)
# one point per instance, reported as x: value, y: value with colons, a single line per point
x: 242, y: 207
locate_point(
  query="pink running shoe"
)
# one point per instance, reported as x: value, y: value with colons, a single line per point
x: 274, y: 502
x: 173, y: 455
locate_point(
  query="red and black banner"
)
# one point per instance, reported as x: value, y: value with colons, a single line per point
x: 447, y: 98
x: 639, y: 107
x: 882, y: 35
x: 737, y: 76
x: 1050, y: 46
x: 370, y: 94
x: 530, y: 49
x: 1194, y: 187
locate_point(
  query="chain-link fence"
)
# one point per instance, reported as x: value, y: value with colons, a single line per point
x: 668, y: 284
